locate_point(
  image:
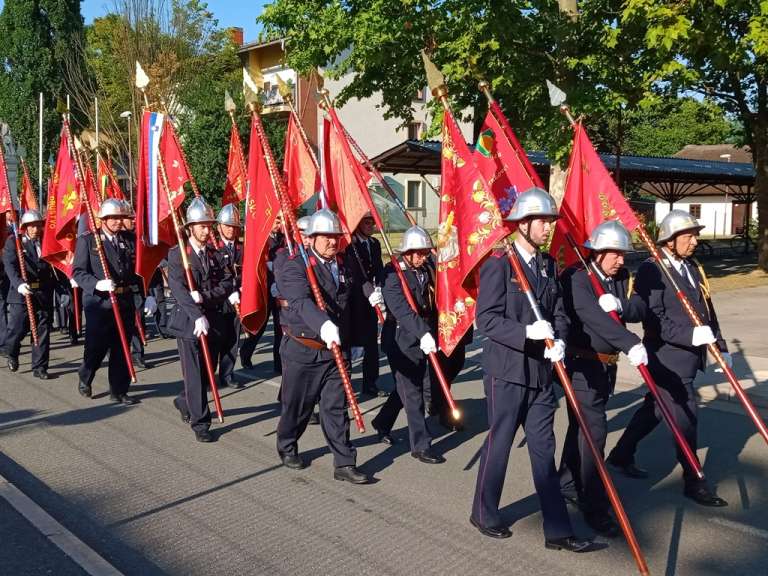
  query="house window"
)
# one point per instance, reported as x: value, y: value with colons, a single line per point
x: 413, y: 194
x: 414, y: 130
x: 421, y: 95
x: 695, y: 210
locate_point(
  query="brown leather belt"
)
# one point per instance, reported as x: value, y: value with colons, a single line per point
x: 34, y: 285
x: 282, y: 302
x: 308, y: 342
x: 584, y: 354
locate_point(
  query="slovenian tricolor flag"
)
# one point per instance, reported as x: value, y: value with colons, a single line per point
x: 154, y: 132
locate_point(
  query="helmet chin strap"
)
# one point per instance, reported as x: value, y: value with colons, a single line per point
x: 527, y: 235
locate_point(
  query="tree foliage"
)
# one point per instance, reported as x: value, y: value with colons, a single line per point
x: 35, y: 38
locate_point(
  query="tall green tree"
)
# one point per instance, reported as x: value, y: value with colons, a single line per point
x: 719, y: 49
x: 36, y: 36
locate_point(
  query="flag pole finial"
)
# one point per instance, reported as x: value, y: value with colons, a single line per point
x: 229, y: 103
x: 557, y: 99
x: 435, y: 79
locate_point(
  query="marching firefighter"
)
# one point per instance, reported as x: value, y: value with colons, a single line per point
x: 364, y: 263
x: 102, y: 335
x: 197, y: 312
x: 40, y: 285
x: 676, y: 349
x: 518, y: 373
x: 231, y: 252
x: 592, y: 352
x: 309, y: 370
x: 407, y: 338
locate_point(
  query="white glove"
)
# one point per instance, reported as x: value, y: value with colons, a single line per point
x: 270, y: 265
x: 105, y: 285
x: 329, y: 333
x: 150, y: 306
x: 609, y: 303
x: 196, y: 298
x: 638, y: 355
x: 376, y: 298
x: 201, y: 326
x: 556, y: 353
x: 234, y: 298
x: 702, y: 335
x: 24, y: 289
x: 73, y: 283
x: 427, y: 344
x: 274, y: 291
x: 539, y: 330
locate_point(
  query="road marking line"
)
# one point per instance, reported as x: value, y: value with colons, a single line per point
x: 70, y: 544
x: 743, y: 528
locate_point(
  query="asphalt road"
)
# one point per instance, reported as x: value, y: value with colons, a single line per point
x: 132, y: 484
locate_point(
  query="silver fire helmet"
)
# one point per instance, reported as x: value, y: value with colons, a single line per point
x: 415, y: 238
x: 112, y: 208
x: 609, y: 235
x: 129, y: 213
x: 198, y: 212
x: 675, y: 222
x: 30, y: 217
x: 229, y: 215
x: 534, y: 202
x: 303, y: 223
x: 324, y: 222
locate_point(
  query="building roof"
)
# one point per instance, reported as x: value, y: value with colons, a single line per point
x: 717, y: 152
x: 259, y: 44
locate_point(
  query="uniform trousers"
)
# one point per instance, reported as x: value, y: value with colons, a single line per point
x: 303, y: 383
x: 193, y: 399
x: 410, y: 379
x: 18, y: 327
x: 510, y: 406
x: 102, y: 337
x: 593, y: 383
x: 251, y: 340
x: 230, y: 338
x: 679, y: 396
x: 3, y: 317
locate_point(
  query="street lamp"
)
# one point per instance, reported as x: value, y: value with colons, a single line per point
x: 727, y: 158
x: 127, y: 115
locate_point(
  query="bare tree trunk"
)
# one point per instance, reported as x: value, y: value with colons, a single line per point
x: 570, y: 8
x: 760, y: 155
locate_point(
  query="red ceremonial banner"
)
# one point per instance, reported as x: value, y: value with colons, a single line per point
x: 234, y: 187
x: 591, y: 197
x: 262, y: 208
x: 301, y: 176
x: 470, y: 225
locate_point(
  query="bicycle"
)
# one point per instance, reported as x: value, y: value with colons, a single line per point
x: 744, y: 241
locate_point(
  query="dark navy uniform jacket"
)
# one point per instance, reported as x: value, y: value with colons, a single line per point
x: 367, y: 272
x: 87, y: 270
x: 232, y: 259
x: 214, y: 286
x: 503, y: 312
x: 302, y: 317
x: 40, y: 275
x: 403, y: 327
x: 591, y: 328
x: 668, y: 329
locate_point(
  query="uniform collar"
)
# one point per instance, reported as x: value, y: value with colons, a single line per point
x: 196, y: 246
x: 524, y: 254
x: 676, y: 262
x: 111, y: 237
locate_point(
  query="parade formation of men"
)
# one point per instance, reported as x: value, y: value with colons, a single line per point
x: 332, y: 300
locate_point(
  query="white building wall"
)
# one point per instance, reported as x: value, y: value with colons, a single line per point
x: 716, y: 213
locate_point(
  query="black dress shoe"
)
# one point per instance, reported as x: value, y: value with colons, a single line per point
x: 73, y: 340
x: 84, y: 389
x: 204, y: 436
x: 451, y: 424
x: 13, y: 364
x: 629, y: 469
x: 184, y: 414
x: 350, y: 474
x: 315, y: 418
x: 428, y: 457
x: 139, y: 361
x: 40, y: 373
x: 382, y: 394
x: 704, y: 496
x: 491, y: 531
x: 292, y: 461
x: 123, y: 399
x: 569, y: 543
x: 246, y: 363
x: 386, y: 438
x: 603, y: 524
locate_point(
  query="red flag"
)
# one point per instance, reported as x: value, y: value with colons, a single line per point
x: 346, y: 178
x: 28, y: 200
x: 262, y: 207
x: 106, y: 180
x: 470, y: 225
x: 58, y: 244
x: 591, y: 197
x: 65, y: 188
x: 234, y: 187
x: 503, y: 162
x: 91, y: 192
x: 154, y: 226
x: 301, y: 175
